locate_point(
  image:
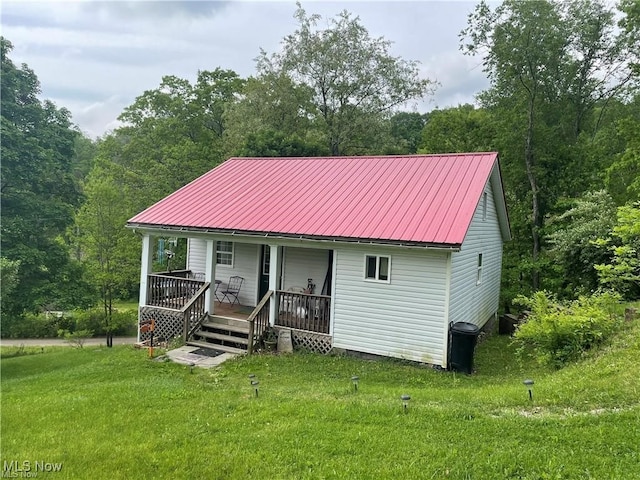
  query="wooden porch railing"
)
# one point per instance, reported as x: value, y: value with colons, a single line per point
x: 175, y: 273
x: 303, y: 311
x: 194, y: 313
x: 258, y: 320
x: 170, y: 291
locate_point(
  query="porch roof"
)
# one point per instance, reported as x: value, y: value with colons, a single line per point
x: 417, y: 199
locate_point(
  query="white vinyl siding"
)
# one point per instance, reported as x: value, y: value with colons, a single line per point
x: 301, y: 264
x: 245, y: 265
x: 404, y: 318
x: 197, y: 255
x: 475, y: 283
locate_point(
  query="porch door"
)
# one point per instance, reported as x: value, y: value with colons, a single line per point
x: 264, y: 271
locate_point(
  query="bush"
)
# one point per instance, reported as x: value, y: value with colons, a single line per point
x: 556, y: 333
x: 32, y: 325
x: 77, y: 338
x: 123, y: 323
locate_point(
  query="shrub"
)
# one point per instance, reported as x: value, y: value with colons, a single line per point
x: 122, y: 322
x: 77, y: 338
x: 556, y: 333
x: 32, y: 325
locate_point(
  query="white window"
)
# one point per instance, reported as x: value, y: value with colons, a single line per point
x: 224, y: 253
x: 484, y: 206
x: 479, y: 279
x: 377, y: 268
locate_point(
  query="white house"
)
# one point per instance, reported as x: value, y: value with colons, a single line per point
x: 367, y: 254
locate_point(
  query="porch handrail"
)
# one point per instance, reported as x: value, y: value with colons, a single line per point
x: 304, y: 311
x: 195, y: 308
x: 261, y: 315
x: 174, y: 273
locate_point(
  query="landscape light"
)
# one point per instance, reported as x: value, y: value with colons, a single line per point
x: 405, y: 402
x: 191, y: 365
x: 355, y: 380
x: 254, y: 384
x: 528, y: 383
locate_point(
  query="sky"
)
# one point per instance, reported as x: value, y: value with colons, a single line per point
x: 95, y: 57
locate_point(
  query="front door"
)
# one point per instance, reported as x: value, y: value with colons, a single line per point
x: 264, y: 271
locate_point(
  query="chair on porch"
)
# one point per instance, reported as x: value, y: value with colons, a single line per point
x: 232, y: 290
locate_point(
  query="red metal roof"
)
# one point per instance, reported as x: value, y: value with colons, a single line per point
x: 425, y: 199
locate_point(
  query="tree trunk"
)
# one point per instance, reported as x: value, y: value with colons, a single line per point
x: 535, y: 208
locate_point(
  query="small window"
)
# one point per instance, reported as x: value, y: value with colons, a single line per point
x: 479, y: 279
x: 224, y: 253
x: 377, y: 268
x: 484, y: 206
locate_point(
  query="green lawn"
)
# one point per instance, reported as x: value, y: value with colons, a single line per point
x: 115, y: 414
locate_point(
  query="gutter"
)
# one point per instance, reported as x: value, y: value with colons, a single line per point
x: 293, y: 236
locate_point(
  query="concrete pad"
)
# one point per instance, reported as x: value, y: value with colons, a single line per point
x: 184, y: 355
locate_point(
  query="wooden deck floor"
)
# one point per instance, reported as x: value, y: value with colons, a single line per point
x: 241, y: 312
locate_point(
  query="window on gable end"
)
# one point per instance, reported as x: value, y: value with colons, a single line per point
x: 484, y: 206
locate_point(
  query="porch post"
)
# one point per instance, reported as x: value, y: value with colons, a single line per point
x: 210, y: 276
x: 146, y: 263
x: 275, y: 253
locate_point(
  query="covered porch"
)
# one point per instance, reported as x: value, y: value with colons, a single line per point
x: 181, y: 300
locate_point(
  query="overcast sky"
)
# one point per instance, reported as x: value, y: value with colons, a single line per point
x: 95, y: 58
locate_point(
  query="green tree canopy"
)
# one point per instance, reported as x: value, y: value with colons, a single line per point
x: 38, y: 188
x: 459, y: 129
x: 554, y: 67
x: 622, y: 273
x: 352, y: 79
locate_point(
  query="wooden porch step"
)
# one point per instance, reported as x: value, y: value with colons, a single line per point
x: 236, y: 322
x: 244, y: 329
x: 222, y: 337
x: 215, y: 346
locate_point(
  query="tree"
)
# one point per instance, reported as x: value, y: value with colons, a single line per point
x: 109, y: 250
x: 623, y: 272
x: 572, y: 240
x: 553, y: 68
x: 406, y: 131
x: 623, y: 175
x: 269, y: 116
x: 172, y: 134
x: 630, y: 23
x: 38, y: 188
x: 352, y: 79
x: 8, y: 278
x: 270, y: 143
x: 459, y: 129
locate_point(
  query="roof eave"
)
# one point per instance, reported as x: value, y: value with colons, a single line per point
x: 185, y: 230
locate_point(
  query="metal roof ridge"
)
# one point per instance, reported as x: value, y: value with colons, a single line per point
x: 357, y: 157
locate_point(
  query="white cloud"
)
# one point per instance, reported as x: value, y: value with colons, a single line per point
x: 95, y: 58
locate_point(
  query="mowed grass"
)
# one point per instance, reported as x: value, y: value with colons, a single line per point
x: 113, y: 413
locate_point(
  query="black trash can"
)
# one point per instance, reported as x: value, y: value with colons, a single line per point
x: 462, y: 342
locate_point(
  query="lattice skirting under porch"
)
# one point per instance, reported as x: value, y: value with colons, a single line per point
x: 168, y: 324
x: 316, y: 342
